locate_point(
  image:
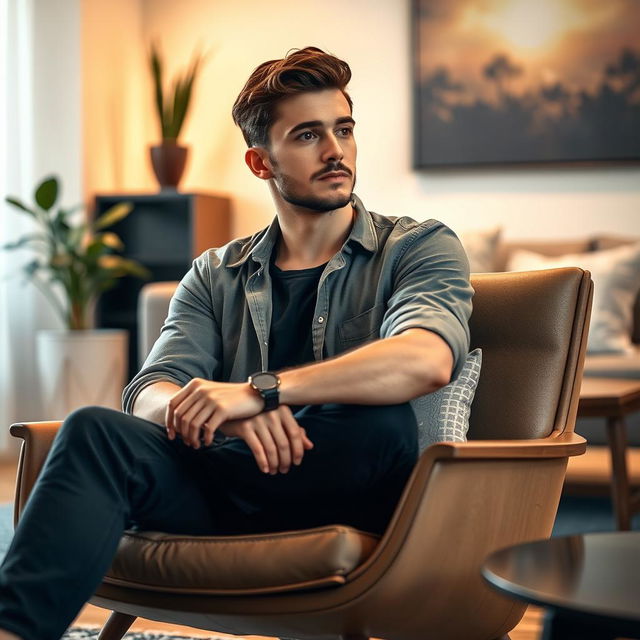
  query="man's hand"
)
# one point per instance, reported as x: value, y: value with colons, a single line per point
x: 274, y: 437
x: 204, y: 402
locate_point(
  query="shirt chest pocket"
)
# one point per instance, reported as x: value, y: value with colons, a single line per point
x: 362, y: 328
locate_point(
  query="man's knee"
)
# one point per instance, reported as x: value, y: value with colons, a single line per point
x: 87, y: 421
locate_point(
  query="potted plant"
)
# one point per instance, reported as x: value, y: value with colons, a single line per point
x: 74, y: 263
x: 169, y: 158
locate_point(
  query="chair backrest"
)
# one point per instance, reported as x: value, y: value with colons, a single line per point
x: 527, y: 324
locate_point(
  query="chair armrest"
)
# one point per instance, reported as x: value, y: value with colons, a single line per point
x: 37, y: 438
x: 563, y: 445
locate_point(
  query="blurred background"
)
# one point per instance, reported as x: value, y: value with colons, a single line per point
x: 77, y: 100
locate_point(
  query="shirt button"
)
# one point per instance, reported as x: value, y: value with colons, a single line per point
x: 320, y: 319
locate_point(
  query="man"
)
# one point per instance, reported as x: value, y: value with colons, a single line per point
x: 277, y: 394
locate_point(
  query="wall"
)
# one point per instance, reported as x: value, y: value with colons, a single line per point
x: 116, y: 120
x: 374, y: 37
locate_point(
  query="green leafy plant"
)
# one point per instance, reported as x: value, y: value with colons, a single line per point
x: 77, y: 258
x: 172, y: 109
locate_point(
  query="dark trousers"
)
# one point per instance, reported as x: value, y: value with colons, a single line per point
x: 108, y: 471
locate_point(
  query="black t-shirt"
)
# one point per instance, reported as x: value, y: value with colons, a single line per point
x: 294, y: 299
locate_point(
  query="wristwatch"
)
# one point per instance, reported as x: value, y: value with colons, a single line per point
x: 267, y: 384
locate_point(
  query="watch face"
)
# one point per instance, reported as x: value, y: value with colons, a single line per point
x: 265, y: 381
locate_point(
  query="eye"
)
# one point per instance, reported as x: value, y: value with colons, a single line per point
x: 306, y: 135
x: 345, y: 132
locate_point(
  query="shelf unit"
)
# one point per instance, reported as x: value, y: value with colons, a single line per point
x: 164, y: 232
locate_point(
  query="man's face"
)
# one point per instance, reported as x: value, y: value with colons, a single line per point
x: 313, y: 152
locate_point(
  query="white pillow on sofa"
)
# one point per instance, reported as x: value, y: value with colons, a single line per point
x: 616, y: 280
x: 481, y: 247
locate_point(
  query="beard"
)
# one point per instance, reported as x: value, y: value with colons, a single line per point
x: 292, y: 194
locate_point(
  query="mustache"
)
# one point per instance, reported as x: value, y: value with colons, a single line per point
x: 330, y: 168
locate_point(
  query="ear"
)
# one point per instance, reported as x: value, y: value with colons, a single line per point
x: 257, y: 160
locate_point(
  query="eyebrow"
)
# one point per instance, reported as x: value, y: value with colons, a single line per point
x: 310, y: 124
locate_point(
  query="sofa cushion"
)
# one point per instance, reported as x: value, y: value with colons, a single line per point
x: 481, y: 247
x: 443, y: 416
x: 610, y: 242
x: 551, y: 248
x: 243, y: 564
x: 616, y: 278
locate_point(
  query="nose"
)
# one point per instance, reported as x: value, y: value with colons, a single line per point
x: 332, y: 151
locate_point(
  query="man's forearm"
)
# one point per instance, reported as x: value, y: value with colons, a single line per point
x: 388, y: 371
x: 151, y: 402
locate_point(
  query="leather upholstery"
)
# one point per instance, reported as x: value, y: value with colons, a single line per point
x: 463, y: 501
x: 226, y: 565
x: 525, y: 335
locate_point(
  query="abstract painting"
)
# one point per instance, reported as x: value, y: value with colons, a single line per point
x: 526, y: 81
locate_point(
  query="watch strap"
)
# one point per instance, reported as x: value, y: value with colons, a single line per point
x: 271, y: 398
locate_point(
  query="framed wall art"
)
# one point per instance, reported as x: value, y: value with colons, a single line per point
x: 516, y: 81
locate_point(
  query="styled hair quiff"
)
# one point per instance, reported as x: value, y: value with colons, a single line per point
x: 300, y: 71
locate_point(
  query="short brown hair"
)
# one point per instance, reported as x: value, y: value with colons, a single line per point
x: 300, y: 71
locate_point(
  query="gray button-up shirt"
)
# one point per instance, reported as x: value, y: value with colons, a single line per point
x: 391, y: 274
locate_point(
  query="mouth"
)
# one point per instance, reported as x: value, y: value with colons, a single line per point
x: 334, y: 176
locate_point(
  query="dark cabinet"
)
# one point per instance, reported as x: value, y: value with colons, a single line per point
x: 164, y: 232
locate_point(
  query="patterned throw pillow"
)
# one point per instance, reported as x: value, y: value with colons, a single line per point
x: 443, y: 416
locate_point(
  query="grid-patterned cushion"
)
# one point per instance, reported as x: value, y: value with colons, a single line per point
x: 443, y: 416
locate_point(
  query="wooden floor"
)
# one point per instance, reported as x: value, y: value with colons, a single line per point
x: 528, y: 629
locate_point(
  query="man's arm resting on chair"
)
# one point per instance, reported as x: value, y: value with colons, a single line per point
x: 388, y: 371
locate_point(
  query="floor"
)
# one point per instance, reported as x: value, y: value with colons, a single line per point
x: 528, y: 629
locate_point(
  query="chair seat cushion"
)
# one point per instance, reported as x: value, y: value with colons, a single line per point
x: 240, y: 565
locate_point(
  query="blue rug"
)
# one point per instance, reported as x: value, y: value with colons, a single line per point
x: 580, y: 514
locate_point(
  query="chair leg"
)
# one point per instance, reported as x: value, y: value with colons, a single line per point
x: 116, y: 626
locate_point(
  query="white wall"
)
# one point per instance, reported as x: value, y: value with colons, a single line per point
x: 374, y: 37
x: 115, y: 93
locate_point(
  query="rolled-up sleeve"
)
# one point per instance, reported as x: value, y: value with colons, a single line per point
x: 432, y: 290
x: 189, y: 345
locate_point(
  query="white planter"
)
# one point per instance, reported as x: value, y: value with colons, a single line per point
x: 79, y: 368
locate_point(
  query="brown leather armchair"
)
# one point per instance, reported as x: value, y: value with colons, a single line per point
x: 421, y: 579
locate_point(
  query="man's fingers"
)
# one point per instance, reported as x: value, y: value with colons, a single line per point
x: 186, y: 422
x: 305, y: 440
x: 184, y: 413
x: 204, y: 429
x: 283, y: 441
x: 192, y: 436
x: 174, y: 402
x: 294, y: 433
x: 268, y: 444
x: 254, y: 443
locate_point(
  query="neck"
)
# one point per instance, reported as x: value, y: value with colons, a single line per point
x: 310, y: 238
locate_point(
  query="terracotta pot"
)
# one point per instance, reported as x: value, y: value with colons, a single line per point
x: 168, y: 160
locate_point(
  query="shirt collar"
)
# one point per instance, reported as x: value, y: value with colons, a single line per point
x: 260, y: 246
